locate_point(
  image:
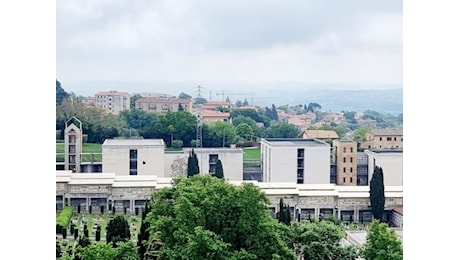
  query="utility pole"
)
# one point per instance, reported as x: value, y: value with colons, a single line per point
x: 199, y: 90
x: 223, y: 139
x: 223, y: 95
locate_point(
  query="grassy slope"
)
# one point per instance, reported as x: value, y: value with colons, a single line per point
x: 251, y: 153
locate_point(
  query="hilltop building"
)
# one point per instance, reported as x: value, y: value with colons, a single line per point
x: 113, y: 101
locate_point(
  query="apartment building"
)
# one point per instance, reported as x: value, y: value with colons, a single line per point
x: 163, y: 105
x: 210, y: 116
x: 295, y: 160
x: 113, y: 101
x: 345, y: 157
x: 383, y: 139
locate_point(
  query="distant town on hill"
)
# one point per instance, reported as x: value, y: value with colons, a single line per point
x: 383, y: 99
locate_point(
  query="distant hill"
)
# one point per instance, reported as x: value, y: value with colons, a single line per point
x: 381, y: 98
x: 382, y: 101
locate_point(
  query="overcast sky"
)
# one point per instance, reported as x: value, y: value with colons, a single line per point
x: 348, y: 43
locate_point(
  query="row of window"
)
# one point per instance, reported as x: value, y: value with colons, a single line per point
x: 345, y: 159
x: 345, y: 169
x: 389, y: 139
x: 345, y: 149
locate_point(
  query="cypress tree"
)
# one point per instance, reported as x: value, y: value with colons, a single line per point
x: 98, y: 233
x: 219, y: 170
x: 143, y: 236
x: 284, y: 214
x: 377, y: 193
x: 192, y: 164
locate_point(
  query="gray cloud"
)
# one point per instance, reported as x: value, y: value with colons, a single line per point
x: 354, y: 41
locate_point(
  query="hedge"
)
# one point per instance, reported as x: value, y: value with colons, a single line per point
x: 63, y: 220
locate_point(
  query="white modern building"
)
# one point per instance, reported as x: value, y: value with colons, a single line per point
x: 133, y: 157
x: 231, y: 159
x: 295, y: 160
x: 391, y: 162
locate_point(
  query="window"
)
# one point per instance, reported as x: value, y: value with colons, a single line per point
x: 351, y: 149
x: 132, y: 162
x: 351, y: 169
x: 401, y: 139
x: 213, y: 158
x: 351, y: 179
x: 351, y: 159
x: 388, y: 138
x: 300, y: 153
x: 380, y: 138
x: 344, y: 159
x: 344, y: 180
x: 394, y: 139
x: 344, y: 149
x: 344, y: 169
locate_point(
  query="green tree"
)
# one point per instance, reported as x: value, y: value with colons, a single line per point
x: 219, y: 170
x: 236, y: 121
x: 61, y: 94
x: 283, y: 130
x: 284, y: 213
x: 126, y: 251
x: 132, y: 101
x: 99, y: 251
x: 382, y: 243
x: 118, y: 230
x: 192, y: 164
x: 208, y: 218
x: 377, y: 193
x: 183, y: 123
x: 359, y: 134
x: 138, y: 119
x: 313, y: 107
x: 244, y: 130
x: 184, y: 96
x: 144, y: 234
x: 199, y: 100
x: 255, y: 115
x: 320, y: 240
x: 58, y: 250
x: 223, y: 133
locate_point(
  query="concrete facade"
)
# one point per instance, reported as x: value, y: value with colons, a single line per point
x: 383, y: 139
x: 108, y: 190
x: 391, y: 162
x: 231, y: 158
x: 163, y: 105
x: 113, y: 101
x: 73, y: 145
x: 295, y: 160
x: 345, y: 155
x: 149, y: 157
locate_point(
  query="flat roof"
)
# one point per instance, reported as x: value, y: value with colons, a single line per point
x: 133, y: 142
x: 294, y: 142
x: 387, y: 151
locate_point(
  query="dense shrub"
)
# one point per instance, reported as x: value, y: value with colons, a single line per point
x: 63, y: 219
x: 177, y: 143
x: 85, y: 231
